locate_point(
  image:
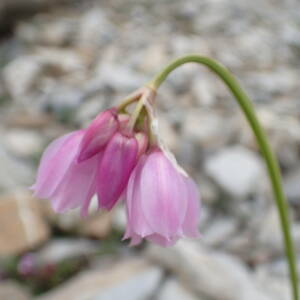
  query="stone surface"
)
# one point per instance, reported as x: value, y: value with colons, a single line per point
x: 292, y: 187
x: 65, y: 248
x: 220, y: 232
x: 269, y: 235
x: 10, y: 290
x: 209, y: 125
x: 277, y: 286
x: 133, y: 279
x: 20, y: 76
x: 173, y: 290
x: 236, y: 169
x: 214, y: 275
x: 22, y: 224
x: 23, y: 142
x: 14, y: 173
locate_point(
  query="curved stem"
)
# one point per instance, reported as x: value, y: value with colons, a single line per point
x: 271, y: 162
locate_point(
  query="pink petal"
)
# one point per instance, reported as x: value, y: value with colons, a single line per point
x: 55, y: 162
x: 192, y: 217
x: 77, y: 187
x: 98, y: 134
x: 163, y: 195
x: 118, y: 160
x: 136, y: 220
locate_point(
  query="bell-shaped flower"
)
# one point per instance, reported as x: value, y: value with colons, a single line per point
x: 61, y: 179
x: 162, y: 202
x: 117, y: 157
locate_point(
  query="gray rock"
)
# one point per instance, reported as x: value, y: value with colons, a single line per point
x: 95, y: 30
x: 235, y: 169
x: 214, y: 275
x: 279, y: 268
x: 278, y: 287
x: 220, y: 231
x: 133, y: 279
x: 23, y: 143
x: 203, y: 127
x: 65, y: 248
x: 20, y: 75
x: 269, y: 235
x: 53, y: 32
x: 292, y: 186
x: 63, y: 100
x: 117, y: 77
x: 14, y: 173
x: 172, y: 289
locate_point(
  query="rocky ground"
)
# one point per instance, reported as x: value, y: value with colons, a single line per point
x: 61, y: 64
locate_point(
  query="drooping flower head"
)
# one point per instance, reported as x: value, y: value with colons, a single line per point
x: 118, y: 156
x: 162, y: 202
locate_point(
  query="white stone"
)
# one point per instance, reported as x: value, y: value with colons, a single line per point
x: 173, y: 290
x: 207, y: 273
x: 118, y: 77
x: 14, y: 173
x: 277, y: 286
x: 23, y: 142
x: 59, y: 249
x: 133, y: 279
x: 220, y: 231
x: 236, y: 169
x: 269, y: 234
x: 20, y: 75
x: 203, y: 127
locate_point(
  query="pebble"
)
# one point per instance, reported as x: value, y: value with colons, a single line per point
x: 208, y: 273
x: 20, y: 218
x: 235, y: 169
x: 133, y: 279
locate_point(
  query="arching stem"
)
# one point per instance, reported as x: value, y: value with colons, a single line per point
x: 271, y: 162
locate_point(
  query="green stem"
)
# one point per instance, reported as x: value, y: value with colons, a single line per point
x: 271, y: 162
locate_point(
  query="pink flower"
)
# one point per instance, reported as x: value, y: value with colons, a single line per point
x: 61, y: 179
x: 27, y: 264
x: 68, y: 170
x: 118, y: 157
x: 162, y: 203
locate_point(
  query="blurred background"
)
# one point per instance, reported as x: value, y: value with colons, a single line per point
x: 61, y: 62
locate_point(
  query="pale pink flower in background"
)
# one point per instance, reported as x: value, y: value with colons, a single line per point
x: 162, y: 203
x: 27, y: 264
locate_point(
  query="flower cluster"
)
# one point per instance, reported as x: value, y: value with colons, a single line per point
x: 118, y: 158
